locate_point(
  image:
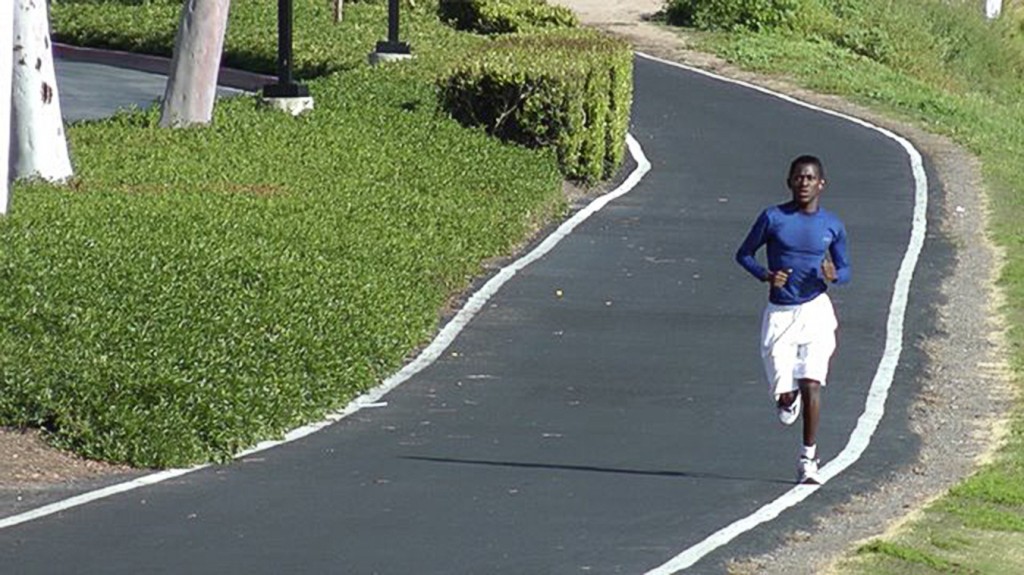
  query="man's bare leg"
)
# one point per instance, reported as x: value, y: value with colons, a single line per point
x: 811, y: 392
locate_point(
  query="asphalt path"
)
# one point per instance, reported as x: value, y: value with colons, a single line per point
x: 602, y: 430
x: 91, y: 91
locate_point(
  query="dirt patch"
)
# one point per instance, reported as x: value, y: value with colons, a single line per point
x: 966, y: 395
x: 27, y: 462
x: 34, y: 474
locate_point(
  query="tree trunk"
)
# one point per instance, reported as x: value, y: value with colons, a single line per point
x: 993, y: 8
x: 192, y: 82
x: 339, y: 6
x: 38, y: 146
x: 6, y: 47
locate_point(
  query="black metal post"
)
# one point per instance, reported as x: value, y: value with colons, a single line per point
x: 284, y: 41
x: 393, y: 45
x: 285, y: 87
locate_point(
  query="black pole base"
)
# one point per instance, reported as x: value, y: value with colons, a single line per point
x: 285, y: 91
x: 388, y: 47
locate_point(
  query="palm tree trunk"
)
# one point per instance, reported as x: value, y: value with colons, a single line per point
x: 192, y: 82
x: 6, y: 47
x: 993, y: 8
x: 38, y: 146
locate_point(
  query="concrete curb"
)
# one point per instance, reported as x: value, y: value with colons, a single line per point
x: 232, y: 78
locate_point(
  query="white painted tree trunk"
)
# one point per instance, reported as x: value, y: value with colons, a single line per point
x: 339, y: 7
x: 192, y: 82
x: 6, y: 47
x: 38, y: 145
x: 993, y: 8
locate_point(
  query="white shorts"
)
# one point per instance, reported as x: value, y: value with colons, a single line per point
x: 797, y: 342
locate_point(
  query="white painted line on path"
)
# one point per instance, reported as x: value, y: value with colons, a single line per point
x: 94, y: 495
x: 874, y: 406
x: 372, y: 398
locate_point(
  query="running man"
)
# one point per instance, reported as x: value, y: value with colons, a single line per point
x: 806, y: 249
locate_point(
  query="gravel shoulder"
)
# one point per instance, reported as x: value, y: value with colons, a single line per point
x: 959, y: 414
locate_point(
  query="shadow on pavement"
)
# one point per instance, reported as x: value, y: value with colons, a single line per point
x: 593, y: 469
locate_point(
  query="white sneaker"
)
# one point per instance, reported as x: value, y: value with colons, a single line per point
x: 807, y: 471
x: 787, y: 415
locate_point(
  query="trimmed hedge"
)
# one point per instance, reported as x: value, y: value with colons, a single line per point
x: 505, y: 16
x: 569, y: 90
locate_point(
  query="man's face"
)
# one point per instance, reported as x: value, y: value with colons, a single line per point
x: 806, y: 184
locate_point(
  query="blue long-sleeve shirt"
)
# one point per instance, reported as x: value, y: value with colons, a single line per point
x: 796, y: 241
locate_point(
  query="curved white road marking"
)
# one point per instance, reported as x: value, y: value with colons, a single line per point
x: 372, y: 398
x: 874, y: 406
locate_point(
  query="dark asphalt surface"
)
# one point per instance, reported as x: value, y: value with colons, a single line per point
x: 603, y: 431
x: 90, y: 91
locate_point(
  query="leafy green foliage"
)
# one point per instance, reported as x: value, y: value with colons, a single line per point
x: 505, y: 16
x: 195, y: 291
x: 934, y: 41
x: 732, y: 14
x: 569, y: 90
x: 937, y: 42
x: 132, y: 25
x: 319, y: 45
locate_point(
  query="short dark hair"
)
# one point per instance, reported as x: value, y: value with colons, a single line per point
x: 807, y: 160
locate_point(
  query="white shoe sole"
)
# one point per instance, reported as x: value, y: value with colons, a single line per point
x: 809, y: 480
x: 808, y: 475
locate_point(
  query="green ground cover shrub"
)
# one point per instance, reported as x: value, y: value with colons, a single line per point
x: 319, y: 45
x: 505, y: 16
x: 195, y: 291
x: 732, y: 14
x: 571, y: 91
x: 147, y: 27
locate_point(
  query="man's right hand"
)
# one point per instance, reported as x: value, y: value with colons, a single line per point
x: 778, y: 278
x: 828, y: 270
